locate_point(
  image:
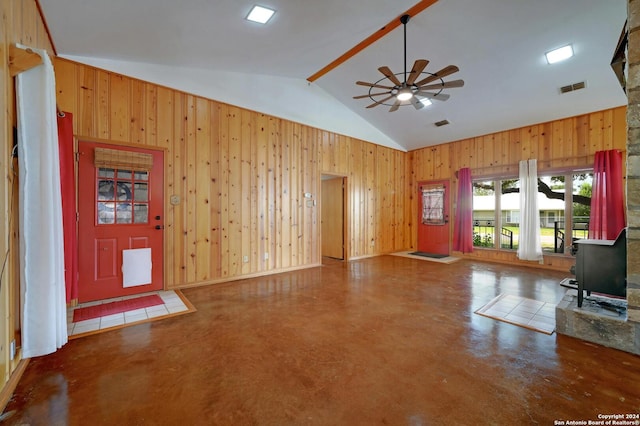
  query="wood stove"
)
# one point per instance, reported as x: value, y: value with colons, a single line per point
x: 601, y: 266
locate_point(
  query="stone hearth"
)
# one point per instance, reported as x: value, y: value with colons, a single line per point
x: 601, y: 320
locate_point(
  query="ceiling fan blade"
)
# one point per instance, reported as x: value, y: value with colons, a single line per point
x: 395, y: 106
x: 436, y: 96
x: 446, y: 85
x: 448, y: 70
x: 391, y: 76
x: 416, y: 103
x: 371, y: 94
x: 378, y: 86
x: 418, y: 66
x: 380, y: 102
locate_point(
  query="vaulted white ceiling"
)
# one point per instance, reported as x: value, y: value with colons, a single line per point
x: 207, y: 47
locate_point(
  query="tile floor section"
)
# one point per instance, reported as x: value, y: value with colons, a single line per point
x: 528, y: 313
x: 173, y: 304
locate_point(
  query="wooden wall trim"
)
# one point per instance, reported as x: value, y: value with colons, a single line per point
x: 248, y: 276
x: 21, y: 60
x: 7, y: 391
x: 553, y: 262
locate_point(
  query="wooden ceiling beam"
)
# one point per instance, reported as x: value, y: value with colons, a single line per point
x: 395, y: 23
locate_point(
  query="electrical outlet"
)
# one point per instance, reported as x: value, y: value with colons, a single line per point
x: 245, y: 259
x: 266, y: 256
x: 12, y: 350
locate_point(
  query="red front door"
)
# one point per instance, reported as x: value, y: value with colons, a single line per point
x: 120, y: 217
x: 433, y: 223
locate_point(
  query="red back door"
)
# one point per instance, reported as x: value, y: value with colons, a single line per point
x: 120, y: 206
x: 433, y: 223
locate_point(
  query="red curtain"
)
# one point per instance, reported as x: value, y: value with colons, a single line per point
x: 463, y: 225
x: 607, y: 203
x: 67, y: 183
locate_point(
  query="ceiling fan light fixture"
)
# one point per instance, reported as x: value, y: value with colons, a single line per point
x: 408, y: 91
x: 260, y: 14
x: 404, y: 94
x: 559, y: 54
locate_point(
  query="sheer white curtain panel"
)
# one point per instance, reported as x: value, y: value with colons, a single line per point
x: 44, y: 316
x: 529, y: 245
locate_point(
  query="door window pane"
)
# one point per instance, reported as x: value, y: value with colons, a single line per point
x: 123, y: 213
x: 124, y: 174
x: 106, y: 190
x: 141, y: 176
x: 433, y: 205
x: 141, y: 213
x: 116, y: 189
x: 124, y: 192
x: 109, y: 173
x: 140, y: 191
x: 106, y: 212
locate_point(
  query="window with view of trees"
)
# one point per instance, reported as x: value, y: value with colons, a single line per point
x: 564, y: 202
x: 484, y: 208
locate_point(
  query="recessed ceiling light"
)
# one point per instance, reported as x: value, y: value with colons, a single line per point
x: 260, y: 14
x: 425, y: 101
x: 559, y: 54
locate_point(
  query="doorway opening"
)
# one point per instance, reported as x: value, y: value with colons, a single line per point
x: 333, y: 218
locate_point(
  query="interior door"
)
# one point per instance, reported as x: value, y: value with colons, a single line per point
x: 120, y: 207
x: 333, y: 217
x: 433, y: 223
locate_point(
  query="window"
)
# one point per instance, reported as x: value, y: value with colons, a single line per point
x: 484, y: 208
x: 551, y: 204
x: 120, y: 191
x: 433, y: 205
x: 560, y: 210
x: 581, y: 204
x: 509, y: 213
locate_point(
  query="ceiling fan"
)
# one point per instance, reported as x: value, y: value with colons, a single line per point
x: 409, y: 91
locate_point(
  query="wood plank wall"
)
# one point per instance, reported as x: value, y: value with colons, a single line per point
x: 20, y: 23
x: 557, y: 145
x: 241, y: 176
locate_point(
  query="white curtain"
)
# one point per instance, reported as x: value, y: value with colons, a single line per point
x: 529, y: 245
x: 44, y: 317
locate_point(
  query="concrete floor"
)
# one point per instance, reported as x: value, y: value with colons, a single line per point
x: 386, y: 340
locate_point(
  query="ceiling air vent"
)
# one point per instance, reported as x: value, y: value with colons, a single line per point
x: 441, y: 123
x: 572, y: 87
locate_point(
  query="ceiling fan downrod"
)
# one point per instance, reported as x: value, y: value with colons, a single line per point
x: 405, y: 19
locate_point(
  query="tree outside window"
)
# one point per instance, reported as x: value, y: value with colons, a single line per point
x: 564, y: 214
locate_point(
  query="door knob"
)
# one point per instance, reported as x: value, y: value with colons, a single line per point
x: 159, y: 226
